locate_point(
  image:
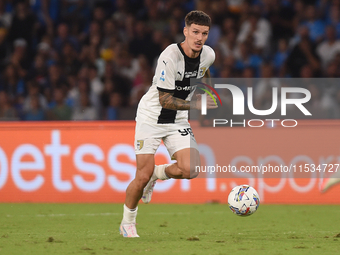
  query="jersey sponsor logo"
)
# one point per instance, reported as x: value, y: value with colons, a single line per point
x: 190, y: 74
x: 162, y: 78
x: 140, y: 144
x: 185, y: 88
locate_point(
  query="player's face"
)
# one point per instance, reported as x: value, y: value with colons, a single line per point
x: 196, y: 35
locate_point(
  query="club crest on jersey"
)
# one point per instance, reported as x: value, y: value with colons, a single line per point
x: 162, y: 78
x: 201, y: 72
x: 140, y: 144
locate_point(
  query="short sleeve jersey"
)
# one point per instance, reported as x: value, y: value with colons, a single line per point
x: 173, y: 73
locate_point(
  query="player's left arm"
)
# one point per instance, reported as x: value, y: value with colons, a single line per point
x: 207, y: 74
x: 168, y: 101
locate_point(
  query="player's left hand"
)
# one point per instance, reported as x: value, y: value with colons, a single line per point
x: 210, y: 102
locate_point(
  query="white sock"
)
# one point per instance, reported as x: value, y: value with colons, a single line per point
x: 159, y: 172
x: 129, y: 216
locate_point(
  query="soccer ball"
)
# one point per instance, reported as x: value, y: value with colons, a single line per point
x: 243, y: 200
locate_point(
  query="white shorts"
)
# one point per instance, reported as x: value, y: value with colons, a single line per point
x: 177, y: 136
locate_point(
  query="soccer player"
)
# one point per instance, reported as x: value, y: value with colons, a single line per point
x: 162, y: 114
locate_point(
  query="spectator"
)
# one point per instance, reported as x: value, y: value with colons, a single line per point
x: 7, y: 111
x: 281, y: 16
x: 332, y: 70
x: 4, y: 48
x: 34, y: 112
x: 175, y: 31
x: 55, y: 75
x: 47, y: 12
x: 99, y: 15
x: 96, y: 84
x: 23, y: 25
x: 84, y: 111
x: 155, y: 20
x: 69, y: 60
x: 316, y: 26
x: 228, y: 44
x: 334, y: 19
x: 105, y: 95
x: 303, y: 53
x: 128, y: 66
x: 120, y: 83
x: 112, y: 110
x: 33, y: 93
x: 94, y: 32
x: 60, y: 111
x: 216, y: 67
x: 214, y: 33
x: 263, y: 90
x: 44, y: 48
x: 139, y: 90
x: 328, y: 49
x: 5, y: 17
x: 280, y: 56
x: 11, y: 82
x: 256, y: 29
x: 38, y: 72
x: 83, y: 87
x: 63, y: 37
x: 235, y: 6
x: 20, y: 57
x: 142, y: 43
x: 75, y: 13
x: 316, y: 97
x: 247, y: 59
x: 143, y: 67
x: 110, y: 33
x: 306, y: 71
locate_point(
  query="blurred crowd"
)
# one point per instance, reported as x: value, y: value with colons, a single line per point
x: 91, y: 59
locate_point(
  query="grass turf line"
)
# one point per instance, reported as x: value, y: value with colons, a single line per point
x: 41, y: 229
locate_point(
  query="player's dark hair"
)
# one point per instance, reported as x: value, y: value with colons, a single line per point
x: 198, y: 18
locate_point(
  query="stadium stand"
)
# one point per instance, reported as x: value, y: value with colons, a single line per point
x: 93, y: 60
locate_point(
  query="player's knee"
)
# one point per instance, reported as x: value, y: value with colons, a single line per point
x: 193, y: 173
x: 188, y: 171
x: 141, y: 180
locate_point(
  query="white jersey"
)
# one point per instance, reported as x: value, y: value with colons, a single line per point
x: 173, y: 72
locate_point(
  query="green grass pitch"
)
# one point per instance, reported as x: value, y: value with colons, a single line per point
x: 168, y: 229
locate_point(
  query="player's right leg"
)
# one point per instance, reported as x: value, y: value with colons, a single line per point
x: 145, y: 168
x: 148, y: 137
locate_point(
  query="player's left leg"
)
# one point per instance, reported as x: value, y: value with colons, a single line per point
x: 181, y: 146
x: 327, y: 183
x: 185, y: 167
